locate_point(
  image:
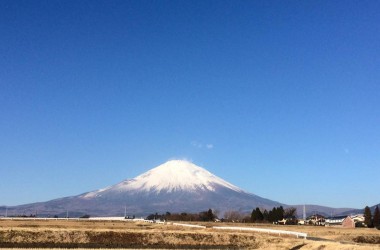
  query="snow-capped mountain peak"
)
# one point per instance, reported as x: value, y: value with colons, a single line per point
x: 174, y: 175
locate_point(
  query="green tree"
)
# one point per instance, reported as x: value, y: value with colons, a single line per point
x: 206, y: 215
x: 265, y: 215
x: 280, y: 213
x: 367, y: 216
x: 210, y: 215
x: 256, y: 215
x: 253, y: 215
x: 276, y: 214
x: 376, y: 217
x: 272, y: 215
x: 260, y: 216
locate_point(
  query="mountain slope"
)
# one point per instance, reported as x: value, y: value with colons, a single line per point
x: 361, y: 211
x: 175, y: 186
x: 322, y: 210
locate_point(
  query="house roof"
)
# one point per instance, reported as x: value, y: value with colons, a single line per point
x: 337, y: 217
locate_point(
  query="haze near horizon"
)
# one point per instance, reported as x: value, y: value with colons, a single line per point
x: 281, y: 99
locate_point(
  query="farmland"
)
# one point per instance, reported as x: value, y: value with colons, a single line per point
x: 123, y: 234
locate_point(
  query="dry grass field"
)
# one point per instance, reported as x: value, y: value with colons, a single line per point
x: 137, y: 235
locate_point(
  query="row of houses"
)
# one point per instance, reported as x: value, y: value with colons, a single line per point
x: 350, y: 221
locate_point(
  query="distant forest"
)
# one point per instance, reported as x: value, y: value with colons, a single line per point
x: 274, y: 215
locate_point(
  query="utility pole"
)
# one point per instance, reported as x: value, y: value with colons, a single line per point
x: 304, y: 212
x: 67, y: 214
x: 125, y: 212
x: 6, y: 211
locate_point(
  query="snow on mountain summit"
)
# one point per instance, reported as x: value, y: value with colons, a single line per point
x: 174, y: 175
x: 179, y: 175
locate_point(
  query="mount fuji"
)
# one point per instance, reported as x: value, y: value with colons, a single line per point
x: 175, y: 186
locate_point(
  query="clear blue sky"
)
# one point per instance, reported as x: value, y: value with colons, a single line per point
x: 281, y: 98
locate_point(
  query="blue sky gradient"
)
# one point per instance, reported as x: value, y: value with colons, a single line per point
x: 281, y: 98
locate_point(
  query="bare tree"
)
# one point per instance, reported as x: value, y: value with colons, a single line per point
x: 290, y: 212
x: 233, y: 215
x: 216, y: 212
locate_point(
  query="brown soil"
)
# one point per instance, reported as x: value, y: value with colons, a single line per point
x: 120, y: 234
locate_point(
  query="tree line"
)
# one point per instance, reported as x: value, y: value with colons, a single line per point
x: 257, y: 216
x: 274, y: 215
x: 207, y: 215
x: 372, y: 221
